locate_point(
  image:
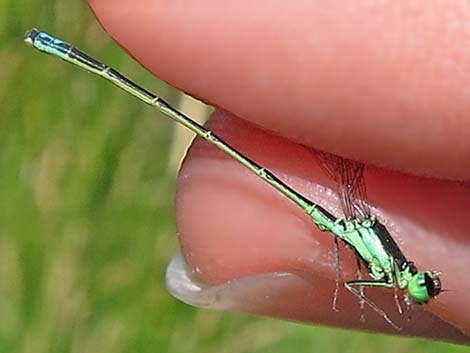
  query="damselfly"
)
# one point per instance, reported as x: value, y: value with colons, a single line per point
x: 359, y: 229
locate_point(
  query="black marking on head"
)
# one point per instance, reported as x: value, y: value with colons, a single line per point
x: 410, y: 266
x: 389, y: 244
x: 432, y: 283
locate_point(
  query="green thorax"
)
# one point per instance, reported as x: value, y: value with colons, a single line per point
x: 373, y: 244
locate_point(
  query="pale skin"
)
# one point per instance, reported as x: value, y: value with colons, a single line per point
x: 385, y: 83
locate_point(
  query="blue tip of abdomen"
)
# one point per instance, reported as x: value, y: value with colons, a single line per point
x: 47, y: 43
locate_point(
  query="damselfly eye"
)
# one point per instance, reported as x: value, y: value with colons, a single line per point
x: 432, y: 283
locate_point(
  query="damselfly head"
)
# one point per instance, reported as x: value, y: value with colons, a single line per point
x: 424, y: 286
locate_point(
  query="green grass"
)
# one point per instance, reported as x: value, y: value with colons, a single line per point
x: 87, y: 184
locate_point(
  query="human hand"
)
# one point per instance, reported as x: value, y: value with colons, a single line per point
x: 382, y: 83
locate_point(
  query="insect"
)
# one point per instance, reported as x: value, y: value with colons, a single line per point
x: 374, y: 246
x: 359, y: 229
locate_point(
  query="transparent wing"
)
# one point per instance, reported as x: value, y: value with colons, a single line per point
x: 349, y: 178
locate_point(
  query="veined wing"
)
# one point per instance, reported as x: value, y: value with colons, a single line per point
x: 350, y: 185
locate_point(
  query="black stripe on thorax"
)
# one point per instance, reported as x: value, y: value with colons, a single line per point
x: 388, y: 243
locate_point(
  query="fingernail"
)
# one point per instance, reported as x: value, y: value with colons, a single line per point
x: 249, y: 294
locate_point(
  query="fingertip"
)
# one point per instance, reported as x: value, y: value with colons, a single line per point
x: 232, y: 225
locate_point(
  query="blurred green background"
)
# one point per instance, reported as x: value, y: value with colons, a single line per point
x: 87, y: 178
